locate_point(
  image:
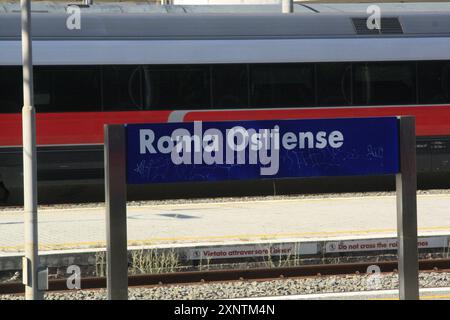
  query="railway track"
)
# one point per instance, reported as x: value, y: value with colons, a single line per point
x: 259, y: 274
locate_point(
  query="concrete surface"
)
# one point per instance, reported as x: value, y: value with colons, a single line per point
x: 284, y: 219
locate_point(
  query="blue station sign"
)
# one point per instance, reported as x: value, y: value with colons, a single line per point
x: 244, y: 150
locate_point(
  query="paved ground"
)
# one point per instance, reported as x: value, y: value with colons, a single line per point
x: 229, y: 221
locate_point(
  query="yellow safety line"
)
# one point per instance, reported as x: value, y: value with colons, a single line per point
x: 243, y: 237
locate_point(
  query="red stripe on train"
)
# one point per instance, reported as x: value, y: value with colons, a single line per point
x: 87, y: 127
x: 430, y: 120
x: 71, y: 127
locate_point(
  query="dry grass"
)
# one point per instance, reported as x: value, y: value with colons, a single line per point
x: 152, y: 261
x: 143, y: 262
x: 100, y: 264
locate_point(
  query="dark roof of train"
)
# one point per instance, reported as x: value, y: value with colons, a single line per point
x: 138, y: 21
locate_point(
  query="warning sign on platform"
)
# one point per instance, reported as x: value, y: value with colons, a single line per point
x: 256, y: 250
x: 382, y: 244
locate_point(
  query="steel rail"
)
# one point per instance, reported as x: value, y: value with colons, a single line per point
x: 256, y: 274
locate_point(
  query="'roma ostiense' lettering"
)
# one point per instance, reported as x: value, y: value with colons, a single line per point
x: 236, y: 145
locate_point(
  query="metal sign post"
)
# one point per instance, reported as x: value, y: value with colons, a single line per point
x: 116, y: 213
x: 406, y: 185
x: 287, y: 6
x: 31, y: 261
x: 179, y: 152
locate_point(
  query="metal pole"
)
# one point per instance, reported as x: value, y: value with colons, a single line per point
x: 116, y: 213
x: 31, y: 262
x: 406, y: 184
x: 287, y: 6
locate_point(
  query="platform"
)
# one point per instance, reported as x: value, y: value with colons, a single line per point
x: 229, y: 221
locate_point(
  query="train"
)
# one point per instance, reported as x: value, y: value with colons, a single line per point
x: 123, y: 63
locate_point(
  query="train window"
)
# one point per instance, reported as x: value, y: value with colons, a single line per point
x: 10, y: 89
x: 176, y: 87
x: 384, y: 83
x: 122, y: 89
x: 434, y: 82
x: 65, y: 89
x: 230, y: 86
x: 282, y: 85
x: 334, y: 84
x: 43, y: 87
